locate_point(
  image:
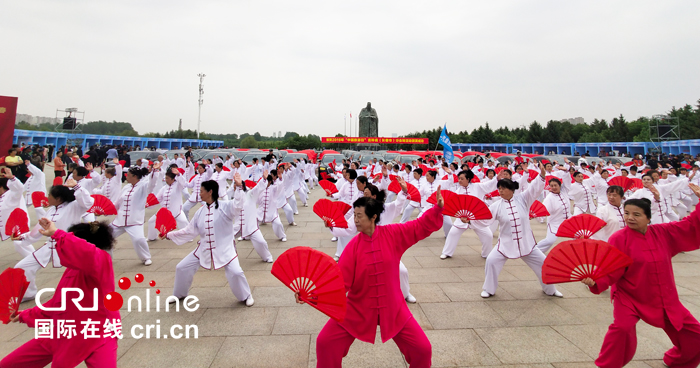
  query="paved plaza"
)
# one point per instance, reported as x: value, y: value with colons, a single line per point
x: 518, y: 327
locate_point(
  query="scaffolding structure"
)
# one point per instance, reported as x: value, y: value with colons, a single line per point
x: 663, y: 128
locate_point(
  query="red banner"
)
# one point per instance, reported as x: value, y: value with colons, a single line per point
x: 377, y: 140
x: 8, y: 112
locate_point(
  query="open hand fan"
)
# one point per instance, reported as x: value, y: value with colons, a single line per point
x: 13, y: 285
x: 377, y: 175
x: 454, y: 178
x: 151, y: 200
x: 532, y: 174
x: 686, y: 166
x: 324, y: 175
x: 413, y: 193
x: 225, y: 168
x: 328, y: 187
x: 393, y: 177
x: 475, y: 179
x: 575, y: 260
x: 547, y: 179
x: 102, y: 206
x: 317, y: 278
x: 165, y: 222
x: 182, y: 171
x: 446, y: 195
x: 622, y: 181
x: 471, y: 165
x: 425, y: 168
x: 39, y: 199
x: 395, y: 187
x: 499, y: 169
x: 57, y: 181
x: 636, y: 184
x: 17, y: 224
x: 250, y: 184
x: 122, y: 162
x: 332, y: 213
x: 580, y: 226
x: 463, y: 205
x: 538, y: 210
x: 629, y: 163
x: 493, y: 194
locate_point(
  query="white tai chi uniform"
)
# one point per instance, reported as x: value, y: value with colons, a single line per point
x: 35, y: 183
x: 169, y: 196
x: 614, y: 217
x: 89, y: 184
x: 426, y: 190
x: 515, y: 238
x: 349, y: 193
x: 131, y: 210
x: 601, y: 188
x: 659, y: 210
x: 221, y: 177
x: 215, y: 249
x: 10, y: 200
x: 245, y: 218
x: 411, y: 205
x: 112, y: 187
x: 582, y: 194
x: 391, y: 211
x: 195, y: 183
x: 64, y: 216
x: 267, y: 207
x: 559, y: 207
x: 287, y: 198
x: 482, y: 230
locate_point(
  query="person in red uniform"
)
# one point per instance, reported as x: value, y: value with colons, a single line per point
x: 84, y: 253
x: 370, y: 267
x: 647, y: 289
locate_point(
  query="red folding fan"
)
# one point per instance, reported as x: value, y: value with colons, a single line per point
x: 393, y: 177
x: 475, y: 179
x: 446, y: 195
x: 324, y: 175
x: 317, y: 278
x: 493, y: 194
x: 122, y: 162
x: 395, y: 187
x: 425, y: 168
x: 575, y: 260
x: 165, y: 222
x: 151, y: 200
x: 538, y: 210
x: 471, y: 165
x: 103, y: 206
x: 413, y: 193
x: 39, y: 199
x: 332, y: 213
x: 623, y: 181
x: 377, y: 175
x: 454, y: 178
x: 250, y: 184
x: 225, y: 168
x: 629, y: 163
x: 463, y: 205
x: 17, y: 224
x: 637, y: 184
x: 532, y: 174
x: 182, y: 171
x: 328, y: 187
x: 57, y: 181
x: 13, y: 285
x: 580, y: 226
x: 499, y: 169
x: 547, y: 179
x: 686, y: 166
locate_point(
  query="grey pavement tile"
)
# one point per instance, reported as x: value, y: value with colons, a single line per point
x: 419, y: 316
x: 171, y: 353
x: 273, y: 296
x: 589, y: 311
x: 436, y: 262
x: 453, y: 348
x: 516, y: 345
x: 237, y: 321
x: 263, y: 351
x: 532, y: 313
x: 477, y: 274
x: 456, y: 315
x: 590, y: 339
x: 429, y: 293
x: 523, y: 289
x: 298, y: 320
x: 469, y: 292
x: 362, y: 354
x: 432, y: 275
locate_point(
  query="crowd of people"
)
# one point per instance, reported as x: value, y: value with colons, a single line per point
x: 232, y: 199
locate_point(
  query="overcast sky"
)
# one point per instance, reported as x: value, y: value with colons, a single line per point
x: 305, y: 65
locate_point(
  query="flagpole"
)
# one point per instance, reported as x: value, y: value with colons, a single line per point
x: 345, y: 125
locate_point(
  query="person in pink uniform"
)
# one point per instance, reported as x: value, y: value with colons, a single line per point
x: 370, y: 267
x: 84, y: 252
x: 646, y: 289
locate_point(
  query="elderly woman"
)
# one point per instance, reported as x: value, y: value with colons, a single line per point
x: 646, y: 289
x: 370, y: 267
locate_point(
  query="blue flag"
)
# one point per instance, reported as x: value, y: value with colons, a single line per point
x: 446, y: 145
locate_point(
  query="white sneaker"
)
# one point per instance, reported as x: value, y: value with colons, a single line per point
x: 334, y: 239
x: 284, y: 239
x: 306, y: 205
x: 557, y: 293
x: 296, y: 213
x: 249, y: 302
x: 293, y: 224
x: 484, y: 294
x: 240, y: 238
x: 147, y: 262
x: 444, y: 256
x: 269, y: 260
x: 336, y: 258
x: 410, y: 298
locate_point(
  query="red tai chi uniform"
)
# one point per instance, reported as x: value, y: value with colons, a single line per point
x: 647, y: 290
x: 87, y: 268
x: 370, y: 267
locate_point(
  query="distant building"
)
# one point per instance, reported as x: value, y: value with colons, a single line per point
x: 35, y: 120
x: 574, y: 121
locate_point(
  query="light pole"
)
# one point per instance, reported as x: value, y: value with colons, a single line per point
x: 201, y: 101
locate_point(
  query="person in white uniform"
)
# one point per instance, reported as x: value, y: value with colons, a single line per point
x: 245, y: 221
x: 11, y: 190
x: 112, y: 179
x: 216, y: 248
x: 169, y: 196
x: 131, y: 210
x: 66, y: 208
x: 35, y: 183
x: 204, y: 172
x: 558, y: 205
x: 515, y: 239
x: 267, y: 205
x: 613, y: 213
x: 582, y: 194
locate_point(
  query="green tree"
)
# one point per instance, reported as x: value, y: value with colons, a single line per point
x: 249, y: 142
x: 535, y: 134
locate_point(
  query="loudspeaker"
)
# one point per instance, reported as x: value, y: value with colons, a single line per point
x: 664, y: 129
x: 69, y: 123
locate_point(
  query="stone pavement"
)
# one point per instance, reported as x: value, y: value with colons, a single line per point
x: 518, y: 327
